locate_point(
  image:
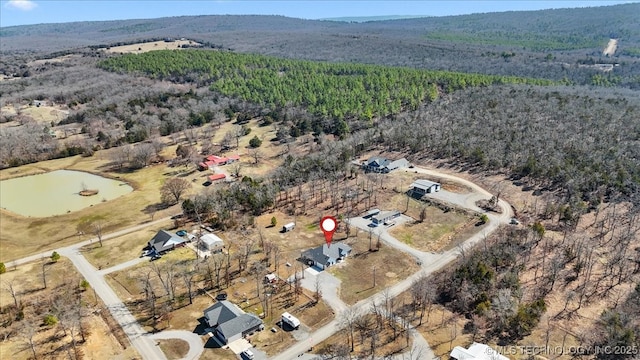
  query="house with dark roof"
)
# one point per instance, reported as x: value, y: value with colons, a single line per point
x: 382, y: 165
x: 325, y: 255
x: 230, y: 323
x: 164, y: 241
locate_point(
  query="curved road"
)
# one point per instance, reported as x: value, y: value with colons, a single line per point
x: 146, y: 345
x: 139, y: 338
x: 430, y: 262
x: 195, y: 343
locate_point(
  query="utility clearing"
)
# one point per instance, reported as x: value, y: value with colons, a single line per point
x: 611, y: 47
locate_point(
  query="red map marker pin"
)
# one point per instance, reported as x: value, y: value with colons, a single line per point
x: 328, y: 224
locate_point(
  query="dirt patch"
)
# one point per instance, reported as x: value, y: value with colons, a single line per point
x: 612, y: 45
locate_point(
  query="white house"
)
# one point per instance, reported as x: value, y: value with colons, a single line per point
x: 211, y: 242
x: 476, y: 351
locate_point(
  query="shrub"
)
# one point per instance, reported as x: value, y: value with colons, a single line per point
x: 50, y: 320
x: 255, y: 142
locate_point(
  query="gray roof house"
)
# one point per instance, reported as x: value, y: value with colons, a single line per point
x: 164, y: 241
x: 325, y: 256
x: 230, y: 322
x: 421, y: 187
x: 379, y: 164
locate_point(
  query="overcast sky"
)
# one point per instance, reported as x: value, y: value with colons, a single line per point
x: 22, y: 12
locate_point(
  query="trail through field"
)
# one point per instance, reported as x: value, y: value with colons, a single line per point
x: 611, y: 47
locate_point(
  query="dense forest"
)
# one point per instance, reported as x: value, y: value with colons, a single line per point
x: 325, y: 89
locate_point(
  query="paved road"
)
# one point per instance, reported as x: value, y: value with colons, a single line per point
x: 195, y: 343
x: 78, y: 245
x: 137, y: 335
x: 139, y: 338
x: 430, y: 262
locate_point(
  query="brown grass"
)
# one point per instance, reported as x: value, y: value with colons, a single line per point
x: 150, y: 46
x: 27, y: 281
x: 386, y: 344
x: 174, y: 349
x: 437, y: 231
x: 53, y: 232
x: 356, y: 272
x: 123, y: 248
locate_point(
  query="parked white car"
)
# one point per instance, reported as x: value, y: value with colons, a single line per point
x: 247, y: 354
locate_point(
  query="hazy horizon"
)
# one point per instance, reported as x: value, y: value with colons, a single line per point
x: 31, y: 12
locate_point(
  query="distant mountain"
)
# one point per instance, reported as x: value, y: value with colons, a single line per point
x: 543, y: 44
x: 360, y: 19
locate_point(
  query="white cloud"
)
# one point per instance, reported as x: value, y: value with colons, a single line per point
x: 24, y: 5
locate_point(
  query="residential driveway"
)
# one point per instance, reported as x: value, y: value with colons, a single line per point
x: 430, y: 263
x: 329, y: 287
x: 196, y: 347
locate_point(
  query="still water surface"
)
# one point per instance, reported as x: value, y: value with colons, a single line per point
x: 56, y: 192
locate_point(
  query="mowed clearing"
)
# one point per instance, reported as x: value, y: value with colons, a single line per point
x: 139, y: 48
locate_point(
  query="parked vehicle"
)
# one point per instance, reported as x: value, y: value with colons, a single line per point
x: 247, y: 354
x: 181, y: 232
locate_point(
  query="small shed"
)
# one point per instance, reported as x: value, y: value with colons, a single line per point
x: 288, y: 227
x: 215, y: 177
x: 211, y: 242
x: 270, y: 278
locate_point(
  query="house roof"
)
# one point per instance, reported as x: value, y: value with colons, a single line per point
x: 423, y: 184
x: 215, y: 177
x: 164, y: 239
x: 322, y: 254
x: 221, y: 312
x: 211, y: 239
x: 230, y: 319
x: 239, y: 325
x: 476, y: 351
x: 378, y: 161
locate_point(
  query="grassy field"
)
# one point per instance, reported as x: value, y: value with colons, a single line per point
x: 121, y: 249
x: 150, y: 46
x: 437, y: 231
x: 356, y: 272
x: 53, y: 232
x: 131, y: 209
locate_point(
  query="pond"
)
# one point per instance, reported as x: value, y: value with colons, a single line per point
x: 57, y: 192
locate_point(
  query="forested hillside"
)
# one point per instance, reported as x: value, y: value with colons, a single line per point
x: 550, y: 44
x: 337, y: 91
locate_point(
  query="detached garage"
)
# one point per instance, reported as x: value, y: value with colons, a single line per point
x: 211, y: 242
x: 421, y: 187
